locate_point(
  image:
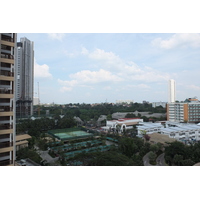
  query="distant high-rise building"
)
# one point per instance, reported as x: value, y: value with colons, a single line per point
x: 24, y: 78
x: 7, y: 101
x: 172, y: 91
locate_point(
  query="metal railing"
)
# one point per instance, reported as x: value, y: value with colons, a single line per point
x: 8, y: 56
x: 7, y: 73
x: 6, y: 109
x: 6, y: 91
x: 7, y: 126
x: 6, y: 144
x: 7, y: 39
x: 7, y: 162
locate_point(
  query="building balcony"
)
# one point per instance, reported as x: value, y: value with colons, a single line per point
x: 6, y: 73
x: 6, y: 144
x: 6, y: 163
x: 6, y: 78
x: 3, y: 158
x: 7, y: 96
x: 5, y: 91
x: 5, y: 67
x: 7, y: 34
x: 22, y: 137
x: 5, y: 108
x: 6, y: 113
x: 6, y: 149
x: 7, y: 56
x: 7, y: 41
x: 5, y: 131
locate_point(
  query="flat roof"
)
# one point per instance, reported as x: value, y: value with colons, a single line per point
x: 22, y: 137
x: 152, y: 125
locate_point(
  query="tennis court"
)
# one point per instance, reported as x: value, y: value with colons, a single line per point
x: 66, y: 134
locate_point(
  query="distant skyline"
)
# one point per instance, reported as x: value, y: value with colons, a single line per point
x: 95, y: 68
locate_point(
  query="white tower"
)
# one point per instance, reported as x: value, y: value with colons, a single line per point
x: 172, y: 91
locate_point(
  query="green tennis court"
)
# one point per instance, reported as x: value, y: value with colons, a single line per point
x: 69, y: 134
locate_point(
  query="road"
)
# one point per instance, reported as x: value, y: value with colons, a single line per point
x: 45, y: 156
x: 160, y: 160
x: 146, y: 160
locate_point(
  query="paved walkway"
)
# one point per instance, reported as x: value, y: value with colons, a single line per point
x: 160, y: 160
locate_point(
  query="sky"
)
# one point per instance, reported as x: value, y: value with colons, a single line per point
x: 106, y: 67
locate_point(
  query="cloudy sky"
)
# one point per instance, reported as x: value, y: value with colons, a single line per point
x: 95, y: 68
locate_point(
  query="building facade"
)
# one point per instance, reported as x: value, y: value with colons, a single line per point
x: 182, y: 132
x: 7, y: 101
x: 172, y: 91
x: 121, y: 125
x: 183, y: 112
x: 24, y: 78
x: 148, y: 128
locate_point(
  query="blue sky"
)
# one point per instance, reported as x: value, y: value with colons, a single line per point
x: 94, y: 68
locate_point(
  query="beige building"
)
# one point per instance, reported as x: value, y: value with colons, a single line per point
x: 7, y: 102
x: 184, y: 112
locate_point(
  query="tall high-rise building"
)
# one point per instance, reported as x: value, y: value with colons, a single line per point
x: 24, y: 78
x: 172, y: 91
x: 7, y: 101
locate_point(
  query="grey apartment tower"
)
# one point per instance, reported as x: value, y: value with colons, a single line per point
x: 24, y: 78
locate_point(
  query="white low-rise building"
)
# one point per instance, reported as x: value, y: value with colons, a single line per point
x: 121, y: 124
x: 148, y: 128
x: 183, y: 132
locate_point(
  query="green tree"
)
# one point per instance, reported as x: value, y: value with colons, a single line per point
x: 174, y: 148
x: 111, y: 158
x: 188, y: 162
x: 177, y: 160
x: 152, y: 158
x: 154, y: 148
x: 128, y: 147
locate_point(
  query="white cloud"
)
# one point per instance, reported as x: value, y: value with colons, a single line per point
x: 84, y: 51
x: 112, y: 70
x: 100, y: 54
x: 41, y: 71
x: 109, y: 59
x: 193, y: 87
x: 178, y: 40
x: 71, y: 83
x: 129, y: 70
x: 87, y: 76
x: 146, y: 74
x: 71, y: 55
x: 107, y: 88
x: 56, y: 36
x: 65, y: 89
x: 140, y: 86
